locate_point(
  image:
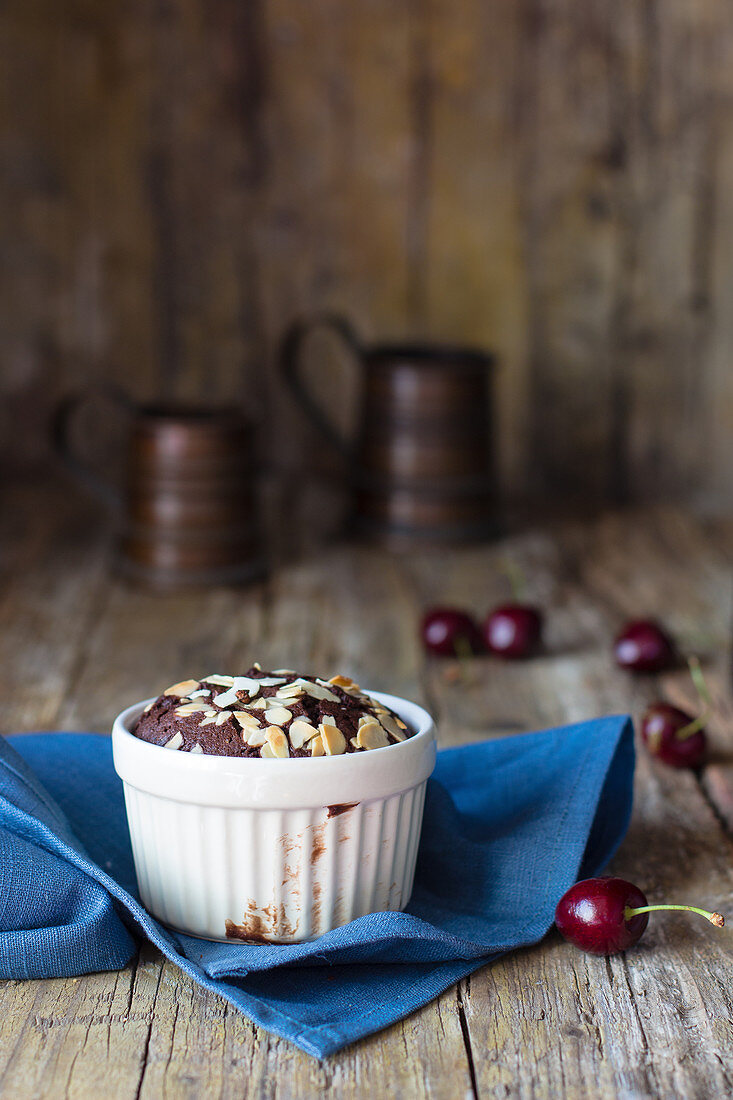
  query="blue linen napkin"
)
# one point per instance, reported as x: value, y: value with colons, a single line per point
x: 509, y: 825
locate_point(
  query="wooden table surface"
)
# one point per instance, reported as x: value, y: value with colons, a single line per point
x: 76, y: 645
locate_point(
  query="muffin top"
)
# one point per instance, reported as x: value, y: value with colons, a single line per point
x: 269, y: 714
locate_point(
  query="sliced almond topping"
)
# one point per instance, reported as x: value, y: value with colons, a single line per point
x: 284, y: 671
x: 290, y: 691
x: 246, y: 684
x: 328, y: 720
x: 147, y: 708
x: 255, y: 738
x: 209, y: 720
x: 196, y: 749
x: 372, y: 736
x: 267, y: 752
x: 400, y: 723
x: 342, y: 681
x: 220, y: 681
x: 185, y: 687
x: 354, y: 741
x: 259, y: 704
x: 277, y: 715
x: 399, y: 735
x: 390, y: 724
x: 317, y: 691
x: 246, y: 720
x: 222, y: 718
x: 317, y: 748
x: 192, y: 708
x: 333, y: 739
x: 300, y: 731
x: 270, y: 681
x: 175, y: 742
x: 202, y: 694
x: 277, y: 741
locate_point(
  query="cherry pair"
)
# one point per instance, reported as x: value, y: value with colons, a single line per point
x: 669, y: 733
x: 513, y: 631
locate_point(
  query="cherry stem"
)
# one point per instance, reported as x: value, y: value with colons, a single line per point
x: 714, y: 918
x: 464, y: 653
x: 516, y: 578
x: 704, y: 695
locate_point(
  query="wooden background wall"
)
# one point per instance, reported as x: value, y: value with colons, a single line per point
x: 550, y: 178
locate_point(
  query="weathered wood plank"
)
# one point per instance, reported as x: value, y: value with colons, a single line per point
x: 541, y: 1023
x: 556, y: 1022
x: 550, y: 181
x: 55, y: 567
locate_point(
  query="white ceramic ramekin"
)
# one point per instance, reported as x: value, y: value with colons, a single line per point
x: 274, y: 851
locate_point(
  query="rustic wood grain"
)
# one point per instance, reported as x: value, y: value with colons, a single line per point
x: 181, y: 180
x: 543, y: 1022
x: 655, y: 1021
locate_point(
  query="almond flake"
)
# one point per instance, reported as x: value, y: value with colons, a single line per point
x: 284, y: 672
x: 255, y: 738
x: 196, y: 749
x: 400, y: 723
x: 354, y: 741
x: 220, y: 681
x: 209, y: 720
x: 333, y: 739
x: 277, y: 741
x: 246, y: 720
x: 372, y: 736
x: 222, y: 718
x: 270, y: 681
x: 202, y: 694
x: 185, y: 687
x: 267, y: 752
x: 191, y: 708
x: 390, y: 724
x: 317, y: 748
x: 342, y: 681
x: 241, y: 683
x: 290, y: 691
x: 148, y: 707
x: 300, y: 731
x: 317, y: 691
x: 175, y: 742
x: 277, y: 715
x: 259, y: 704
x: 328, y: 720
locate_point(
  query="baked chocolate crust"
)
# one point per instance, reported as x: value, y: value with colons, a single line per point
x: 269, y: 714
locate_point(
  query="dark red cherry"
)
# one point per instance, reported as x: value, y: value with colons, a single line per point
x: 644, y: 646
x: 673, y: 735
x: 606, y: 915
x: 513, y: 630
x: 447, y: 632
x: 592, y: 915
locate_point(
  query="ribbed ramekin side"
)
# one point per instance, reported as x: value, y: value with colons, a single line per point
x: 413, y: 831
x: 137, y: 840
x: 284, y: 875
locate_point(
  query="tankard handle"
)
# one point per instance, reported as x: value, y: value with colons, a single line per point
x: 79, y: 466
x: 290, y: 361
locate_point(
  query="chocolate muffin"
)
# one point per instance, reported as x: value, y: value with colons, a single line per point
x: 269, y: 714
